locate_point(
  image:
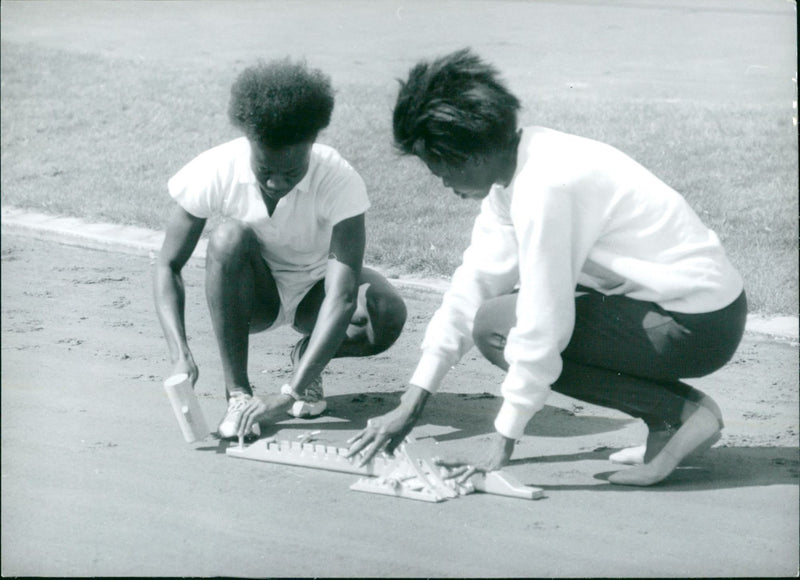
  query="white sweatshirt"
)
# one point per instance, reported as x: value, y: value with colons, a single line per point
x: 576, y: 212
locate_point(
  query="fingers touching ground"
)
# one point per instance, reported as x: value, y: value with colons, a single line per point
x: 369, y: 441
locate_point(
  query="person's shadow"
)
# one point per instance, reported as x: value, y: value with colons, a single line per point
x: 717, y: 468
x: 453, y: 416
x: 447, y: 417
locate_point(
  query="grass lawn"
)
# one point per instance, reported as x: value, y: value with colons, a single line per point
x: 98, y: 137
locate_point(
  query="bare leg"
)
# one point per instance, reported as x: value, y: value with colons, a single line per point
x: 376, y: 324
x: 657, y: 440
x: 629, y: 355
x: 242, y: 298
x: 699, y: 427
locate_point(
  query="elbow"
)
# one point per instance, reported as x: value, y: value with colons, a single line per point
x: 342, y: 300
x: 343, y: 295
x: 166, y: 271
x: 167, y: 264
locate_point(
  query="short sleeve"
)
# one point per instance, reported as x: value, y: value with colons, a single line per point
x: 343, y: 193
x: 197, y: 187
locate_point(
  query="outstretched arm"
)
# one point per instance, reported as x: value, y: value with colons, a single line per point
x: 341, y: 294
x: 183, y: 232
x: 489, y: 269
x: 388, y: 431
x: 336, y: 310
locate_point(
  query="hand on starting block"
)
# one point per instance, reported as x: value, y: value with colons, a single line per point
x: 388, y: 431
x: 263, y: 409
x: 484, y: 459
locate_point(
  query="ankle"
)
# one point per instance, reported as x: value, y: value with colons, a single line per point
x: 710, y: 404
x: 702, y: 402
x: 238, y: 391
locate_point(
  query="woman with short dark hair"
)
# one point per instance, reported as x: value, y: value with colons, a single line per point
x: 586, y: 274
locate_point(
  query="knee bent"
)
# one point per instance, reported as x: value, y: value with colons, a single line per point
x: 488, y: 338
x: 388, y: 317
x: 230, y: 239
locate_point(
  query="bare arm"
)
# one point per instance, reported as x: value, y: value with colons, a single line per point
x: 341, y: 293
x: 183, y: 232
x: 388, y: 431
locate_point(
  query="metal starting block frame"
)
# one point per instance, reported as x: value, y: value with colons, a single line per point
x: 409, y: 474
x: 309, y: 455
x: 415, y: 476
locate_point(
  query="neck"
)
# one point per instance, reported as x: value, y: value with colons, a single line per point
x: 269, y: 201
x: 509, y: 160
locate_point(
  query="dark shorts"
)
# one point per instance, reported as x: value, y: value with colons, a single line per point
x: 641, y: 338
x: 627, y: 354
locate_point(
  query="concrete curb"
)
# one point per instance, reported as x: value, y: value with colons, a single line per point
x: 141, y: 241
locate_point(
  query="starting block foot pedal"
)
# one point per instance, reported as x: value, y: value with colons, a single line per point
x: 396, y: 489
x: 502, y: 483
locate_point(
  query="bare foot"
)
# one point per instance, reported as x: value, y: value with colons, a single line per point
x: 656, y: 440
x: 701, y: 426
x: 655, y: 443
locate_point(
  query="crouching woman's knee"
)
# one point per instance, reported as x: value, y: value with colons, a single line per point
x: 388, y: 315
x: 489, y: 336
x: 230, y: 243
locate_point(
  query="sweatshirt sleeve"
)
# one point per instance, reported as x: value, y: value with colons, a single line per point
x: 488, y: 269
x: 551, y: 254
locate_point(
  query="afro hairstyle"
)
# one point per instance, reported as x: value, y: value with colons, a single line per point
x: 281, y: 103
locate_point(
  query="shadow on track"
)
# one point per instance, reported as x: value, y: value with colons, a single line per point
x: 717, y: 468
x: 458, y: 416
x: 462, y: 414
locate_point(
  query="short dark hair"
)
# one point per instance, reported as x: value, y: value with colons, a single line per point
x: 281, y: 103
x: 454, y: 108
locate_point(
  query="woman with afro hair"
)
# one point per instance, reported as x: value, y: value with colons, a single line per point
x: 586, y: 275
x: 289, y: 248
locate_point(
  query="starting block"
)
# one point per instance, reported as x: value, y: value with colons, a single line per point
x: 309, y: 455
x: 495, y: 483
x: 414, y: 476
x: 409, y: 474
x: 502, y: 483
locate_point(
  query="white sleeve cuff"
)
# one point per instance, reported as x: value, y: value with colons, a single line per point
x: 430, y: 372
x: 521, y: 402
x: 511, y: 420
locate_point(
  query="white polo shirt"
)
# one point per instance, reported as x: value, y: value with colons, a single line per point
x: 295, y: 239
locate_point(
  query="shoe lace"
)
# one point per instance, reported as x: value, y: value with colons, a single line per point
x: 236, y: 404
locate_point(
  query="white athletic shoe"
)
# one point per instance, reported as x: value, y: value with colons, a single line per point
x: 236, y: 405
x: 312, y: 402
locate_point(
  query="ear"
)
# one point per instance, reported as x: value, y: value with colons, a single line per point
x: 419, y: 149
